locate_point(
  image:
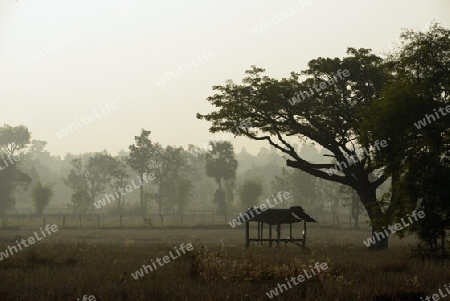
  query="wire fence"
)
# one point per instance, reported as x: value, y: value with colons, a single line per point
x: 203, y: 217
x: 15, y: 221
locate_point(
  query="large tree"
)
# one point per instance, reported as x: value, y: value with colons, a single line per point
x: 329, y: 117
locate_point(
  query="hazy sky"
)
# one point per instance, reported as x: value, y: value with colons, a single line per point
x: 61, y: 61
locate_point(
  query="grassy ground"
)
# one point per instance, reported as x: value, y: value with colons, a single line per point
x: 73, y: 263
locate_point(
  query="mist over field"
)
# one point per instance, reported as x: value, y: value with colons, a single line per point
x: 256, y: 150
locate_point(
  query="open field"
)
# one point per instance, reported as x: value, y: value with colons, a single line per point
x: 72, y: 263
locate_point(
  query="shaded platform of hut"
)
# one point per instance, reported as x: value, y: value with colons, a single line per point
x: 276, y: 217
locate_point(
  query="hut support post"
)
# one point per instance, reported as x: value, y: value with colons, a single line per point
x: 270, y: 236
x: 262, y: 224
x: 304, y: 235
x: 259, y: 233
x: 247, y: 234
x: 278, y: 234
x: 290, y: 231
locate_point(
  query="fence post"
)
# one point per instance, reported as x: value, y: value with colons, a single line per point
x: 203, y: 215
x: 44, y: 221
x: 121, y: 220
x: 225, y: 218
x: 80, y: 220
x: 98, y: 221
x: 64, y: 220
x: 193, y: 218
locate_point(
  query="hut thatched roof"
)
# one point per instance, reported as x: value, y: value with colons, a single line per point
x: 295, y: 214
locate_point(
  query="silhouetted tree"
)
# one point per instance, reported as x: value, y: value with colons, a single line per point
x: 328, y: 117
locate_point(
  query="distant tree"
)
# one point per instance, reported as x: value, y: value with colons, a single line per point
x: 299, y: 184
x: 230, y: 190
x: 37, y: 146
x: 14, y: 138
x: 219, y: 200
x: 81, y: 200
x: 351, y: 199
x: 119, y: 176
x: 141, y: 160
x: 327, y: 192
x: 183, y: 193
x: 250, y: 192
x: 91, y: 177
x: 11, y: 178
x: 221, y: 165
x: 41, y: 195
x: 196, y: 170
x: 172, y: 165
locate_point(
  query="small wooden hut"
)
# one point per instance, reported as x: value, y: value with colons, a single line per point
x: 277, y: 217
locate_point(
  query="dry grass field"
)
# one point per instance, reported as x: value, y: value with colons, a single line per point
x: 72, y: 263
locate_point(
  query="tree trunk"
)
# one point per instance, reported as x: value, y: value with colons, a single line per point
x: 367, y: 195
x: 160, y: 198
x: 356, y: 218
x: 141, y: 190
